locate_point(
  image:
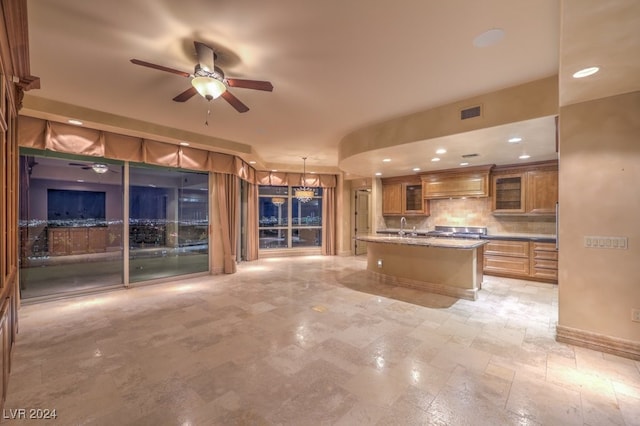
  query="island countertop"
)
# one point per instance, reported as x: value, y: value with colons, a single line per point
x: 455, y: 243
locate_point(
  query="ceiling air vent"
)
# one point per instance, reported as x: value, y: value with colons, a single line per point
x: 469, y: 155
x: 470, y: 112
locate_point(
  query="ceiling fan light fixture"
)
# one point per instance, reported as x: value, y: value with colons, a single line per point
x: 208, y: 87
x: 100, y: 168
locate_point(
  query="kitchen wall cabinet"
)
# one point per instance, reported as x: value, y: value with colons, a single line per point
x: 456, y: 183
x: 531, y: 189
x: 403, y: 196
x: 542, y: 191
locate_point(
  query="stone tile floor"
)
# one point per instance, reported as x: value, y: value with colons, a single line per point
x: 312, y: 341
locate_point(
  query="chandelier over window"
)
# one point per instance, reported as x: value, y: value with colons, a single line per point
x: 278, y: 201
x: 304, y: 194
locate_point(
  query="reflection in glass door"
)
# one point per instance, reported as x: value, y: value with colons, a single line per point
x: 168, y: 223
x: 70, y: 225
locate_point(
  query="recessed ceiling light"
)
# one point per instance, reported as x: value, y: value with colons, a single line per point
x: 386, y: 160
x: 152, y: 185
x: 586, y: 72
x: 524, y: 156
x: 489, y: 38
x: 274, y: 170
x: 464, y: 163
x: 434, y: 159
x: 252, y: 162
x: 416, y: 169
x: 441, y: 151
x: 80, y: 180
x: 515, y: 139
x: 378, y: 173
x: 75, y: 122
x: 184, y: 143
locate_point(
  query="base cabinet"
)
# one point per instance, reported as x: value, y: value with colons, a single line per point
x: 507, y: 258
x: 544, y: 261
x: 521, y: 259
x: 65, y: 241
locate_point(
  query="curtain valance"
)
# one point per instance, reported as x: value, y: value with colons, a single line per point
x: 59, y: 137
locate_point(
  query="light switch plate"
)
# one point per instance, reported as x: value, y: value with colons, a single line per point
x: 592, y: 241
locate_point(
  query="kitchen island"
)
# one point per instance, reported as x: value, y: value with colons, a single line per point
x: 448, y: 266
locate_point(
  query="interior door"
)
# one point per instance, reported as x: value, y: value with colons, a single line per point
x: 362, y: 219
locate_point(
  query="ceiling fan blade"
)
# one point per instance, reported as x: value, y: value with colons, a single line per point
x: 235, y: 102
x: 205, y: 56
x: 186, y: 95
x: 159, y: 67
x: 250, y: 84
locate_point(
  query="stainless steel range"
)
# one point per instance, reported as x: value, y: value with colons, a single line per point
x: 474, y: 232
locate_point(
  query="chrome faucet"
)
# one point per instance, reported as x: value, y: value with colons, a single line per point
x: 403, y: 223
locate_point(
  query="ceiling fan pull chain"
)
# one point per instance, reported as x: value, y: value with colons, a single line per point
x: 206, y: 121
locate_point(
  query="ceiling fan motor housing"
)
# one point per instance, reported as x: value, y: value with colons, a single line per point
x: 217, y: 73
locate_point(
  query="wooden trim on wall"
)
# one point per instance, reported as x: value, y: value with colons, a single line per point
x: 15, y: 78
x: 598, y: 342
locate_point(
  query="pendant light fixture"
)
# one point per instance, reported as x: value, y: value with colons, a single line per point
x: 304, y: 194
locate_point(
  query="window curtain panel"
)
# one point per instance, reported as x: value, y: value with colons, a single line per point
x: 227, y: 189
x: 329, y: 218
x: 253, y: 234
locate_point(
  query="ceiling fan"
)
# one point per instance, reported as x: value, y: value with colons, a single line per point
x: 99, y: 168
x: 209, y: 80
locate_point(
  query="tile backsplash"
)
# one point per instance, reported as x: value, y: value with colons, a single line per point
x: 474, y: 212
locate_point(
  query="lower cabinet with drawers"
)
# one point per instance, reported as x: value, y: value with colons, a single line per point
x: 521, y: 259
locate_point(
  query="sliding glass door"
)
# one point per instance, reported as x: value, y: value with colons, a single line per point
x: 168, y: 223
x: 71, y: 222
x: 73, y: 216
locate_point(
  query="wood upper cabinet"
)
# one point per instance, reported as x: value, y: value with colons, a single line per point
x: 531, y: 189
x: 403, y: 196
x: 508, y: 193
x: 542, y: 191
x: 392, y: 198
x: 456, y: 183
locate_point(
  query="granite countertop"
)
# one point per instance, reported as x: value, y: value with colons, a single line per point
x: 456, y: 243
x: 512, y: 236
x: 543, y: 238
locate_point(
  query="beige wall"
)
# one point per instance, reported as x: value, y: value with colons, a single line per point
x: 600, y: 195
x: 526, y: 101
